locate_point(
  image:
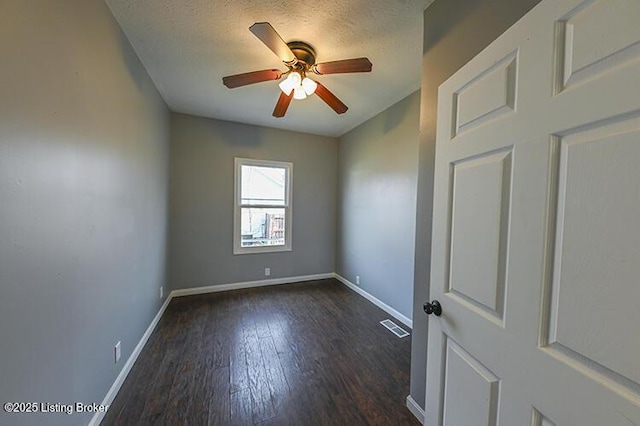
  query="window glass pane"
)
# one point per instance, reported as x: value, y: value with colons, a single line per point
x: 263, y: 185
x: 262, y: 227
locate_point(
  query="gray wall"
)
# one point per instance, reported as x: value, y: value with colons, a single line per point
x: 454, y: 32
x: 84, y: 143
x: 378, y: 170
x: 201, y: 201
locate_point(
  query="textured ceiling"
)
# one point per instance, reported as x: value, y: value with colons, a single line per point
x: 187, y: 47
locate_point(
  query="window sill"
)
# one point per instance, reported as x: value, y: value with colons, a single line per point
x: 260, y: 250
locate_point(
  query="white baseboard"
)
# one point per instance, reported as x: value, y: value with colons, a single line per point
x: 415, y: 409
x: 249, y: 284
x: 379, y: 303
x: 98, y: 416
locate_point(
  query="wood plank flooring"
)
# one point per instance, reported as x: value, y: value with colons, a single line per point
x: 310, y: 353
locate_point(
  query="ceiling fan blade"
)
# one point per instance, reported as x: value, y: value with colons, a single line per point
x: 232, y: 81
x: 283, y: 103
x: 330, y: 99
x: 343, y: 66
x: 265, y: 32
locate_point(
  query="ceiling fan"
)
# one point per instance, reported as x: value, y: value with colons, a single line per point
x: 300, y: 59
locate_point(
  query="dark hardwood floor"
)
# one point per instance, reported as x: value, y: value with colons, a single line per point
x: 296, y: 354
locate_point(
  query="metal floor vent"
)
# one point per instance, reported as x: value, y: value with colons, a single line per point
x: 392, y: 327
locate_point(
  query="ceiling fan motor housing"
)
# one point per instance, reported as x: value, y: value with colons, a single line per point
x: 304, y: 52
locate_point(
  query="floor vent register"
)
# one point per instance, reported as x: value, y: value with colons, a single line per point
x: 393, y: 327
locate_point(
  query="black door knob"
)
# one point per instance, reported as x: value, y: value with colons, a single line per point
x: 432, y: 308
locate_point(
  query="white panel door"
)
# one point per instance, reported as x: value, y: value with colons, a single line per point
x: 536, y: 227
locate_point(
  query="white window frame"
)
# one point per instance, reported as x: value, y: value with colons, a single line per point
x: 237, y: 206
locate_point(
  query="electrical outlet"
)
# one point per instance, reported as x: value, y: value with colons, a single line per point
x: 267, y: 272
x: 116, y: 352
x: 357, y: 279
x: 161, y: 292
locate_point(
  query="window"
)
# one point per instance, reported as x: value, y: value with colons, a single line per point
x: 262, y: 211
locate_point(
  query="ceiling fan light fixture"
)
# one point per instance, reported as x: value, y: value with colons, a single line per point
x: 300, y: 59
x: 309, y: 86
x: 299, y: 93
x: 290, y: 83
